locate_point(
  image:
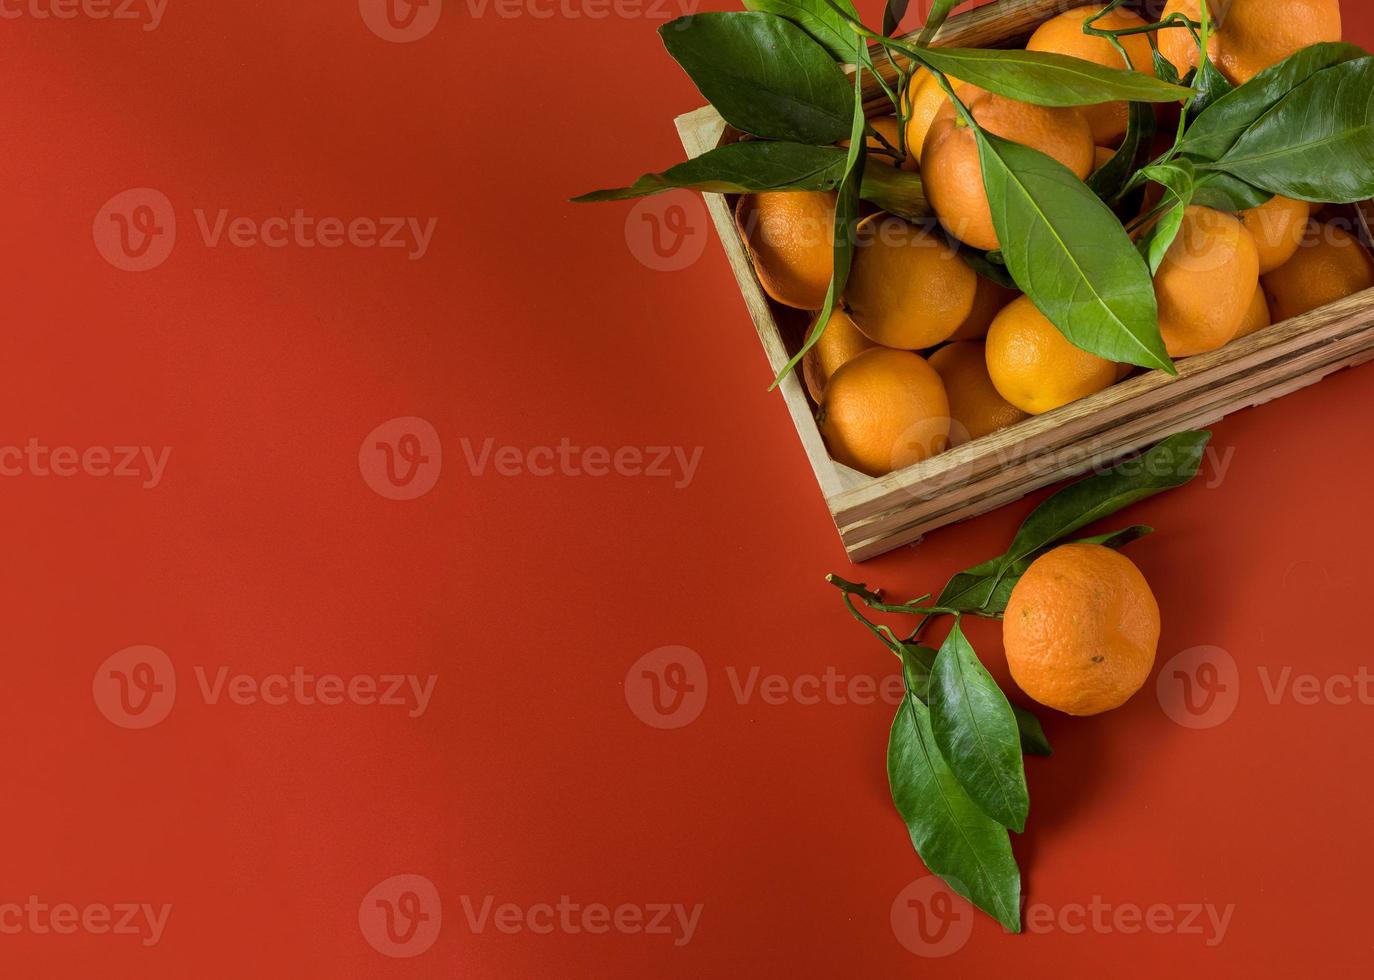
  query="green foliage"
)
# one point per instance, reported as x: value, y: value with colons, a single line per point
x: 955, y: 754
x: 764, y: 75
x: 976, y: 732
x: 1317, y: 142
x: 955, y: 838
x: 1043, y: 78
x: 1068, y: 253
x: 819, y: 18
x: 738, y: 168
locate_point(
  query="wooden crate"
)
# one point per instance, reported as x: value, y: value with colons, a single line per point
x: 875, y: 515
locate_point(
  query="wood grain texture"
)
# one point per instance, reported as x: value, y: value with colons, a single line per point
x: 874, y: 516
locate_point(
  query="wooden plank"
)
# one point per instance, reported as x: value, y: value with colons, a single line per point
x: 875, y: 515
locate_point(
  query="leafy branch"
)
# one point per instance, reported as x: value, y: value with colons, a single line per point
x: 955, y: 753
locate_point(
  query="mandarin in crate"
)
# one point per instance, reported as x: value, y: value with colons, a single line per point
x: 907, y: 287
x: 950, y: 163
x: 926, y: 98
x: 1081, y: 629
x: 1277, y: 226
x: 1329, y: 265
x: 791, y: 240
x: 1256, y: 317
x: 840, y: 341
x: 989, y: 299
x: 884, y: 410
x: 975, y: 407
x: 1034, y: 367
x: 1206, y: 282
x: 1063, y: 34
x: 1249, y: 35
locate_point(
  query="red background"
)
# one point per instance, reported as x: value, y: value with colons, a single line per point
x: 530, y: 321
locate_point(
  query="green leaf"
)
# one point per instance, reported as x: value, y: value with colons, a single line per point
x: 846, y: 220
x: 955, y: 839
x: 764, y: 74
x: 1069, y: 253
x: 1216, y: 130
x: 1110, y: 180
x: 939, y: 13
x: 976, y: 732
x: 1164, y: 68
x: 893, y: 12
x: 972, y: 589
x: 1033, y: 740
x: 1044, y: 78
x: 1210, y: 85
x: 1222, y: 192
x: 1317, y: 143
x: 917, y: 664
x: 1169, y: 463
x: 1178, y: 178
x: 1176, y: 175
x: 896, y: 191
x: 738, y: 168
x: 819, y: 19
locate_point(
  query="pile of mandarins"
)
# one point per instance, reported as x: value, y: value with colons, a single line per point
x: 923, y: 353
